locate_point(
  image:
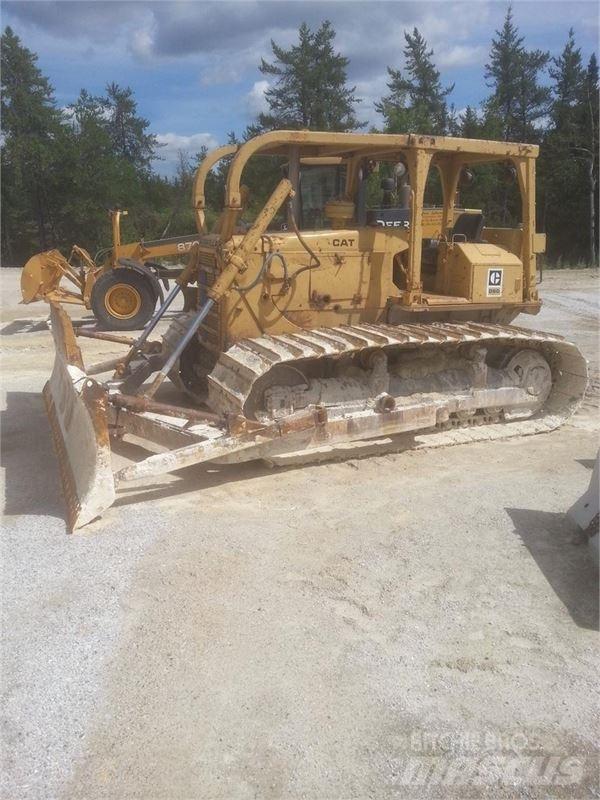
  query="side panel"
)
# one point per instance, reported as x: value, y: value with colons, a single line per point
x: 351, y: 284
x: 482, y: 273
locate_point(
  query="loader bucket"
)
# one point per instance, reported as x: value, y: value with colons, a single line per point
x: 76, y: 406
x: 42, y: 274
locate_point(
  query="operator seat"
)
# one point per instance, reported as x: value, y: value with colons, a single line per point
x: 470, y: 226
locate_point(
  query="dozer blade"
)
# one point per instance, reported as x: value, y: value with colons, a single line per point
x: 77, y: 409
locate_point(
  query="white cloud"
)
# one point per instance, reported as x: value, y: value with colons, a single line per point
x: 256, y: 102
x: 220, y: 73
x: 223, y: 69
x: 152, y: 32
x: 461, y: 55
x: 172, y: 143
x: 142, y: 44
x: 191, y: 47
x: 369, y: 93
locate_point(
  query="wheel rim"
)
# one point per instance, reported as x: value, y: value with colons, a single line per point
x: 122, y: 301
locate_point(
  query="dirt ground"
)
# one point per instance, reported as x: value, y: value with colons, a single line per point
x: 418, y: 624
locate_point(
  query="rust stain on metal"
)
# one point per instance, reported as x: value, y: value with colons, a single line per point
x: 95, y: 398
x: 142, y: 404
x: 87, y: 333
x: 64, y: 330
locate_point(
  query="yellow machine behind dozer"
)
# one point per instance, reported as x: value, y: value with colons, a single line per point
x: 123, y: 284
x: 356, y: 319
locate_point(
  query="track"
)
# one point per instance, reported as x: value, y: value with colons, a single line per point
x: 239, y: 370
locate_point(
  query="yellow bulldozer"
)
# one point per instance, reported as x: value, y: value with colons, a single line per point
x: 339, y: 316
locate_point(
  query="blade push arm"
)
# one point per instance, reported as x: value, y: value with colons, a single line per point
x: 235, y: 263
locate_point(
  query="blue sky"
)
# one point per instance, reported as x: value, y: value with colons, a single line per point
x: 194, y: 65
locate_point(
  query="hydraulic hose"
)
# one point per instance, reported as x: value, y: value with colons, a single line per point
x: 304, y: 244
x: 264, y: 268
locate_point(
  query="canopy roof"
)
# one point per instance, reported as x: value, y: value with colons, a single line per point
x: 329, y: 147
x: 375, y: 146
x: 316, y: 143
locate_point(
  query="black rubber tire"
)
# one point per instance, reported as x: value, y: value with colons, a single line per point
x: 140, y: 284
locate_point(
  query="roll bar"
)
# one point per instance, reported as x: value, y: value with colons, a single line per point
x: 367, y: 145
x: 420, y: 152
x: 198, y: 197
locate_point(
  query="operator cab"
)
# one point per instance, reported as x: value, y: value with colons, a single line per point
x: 453, y: 259
x: 423, y: 224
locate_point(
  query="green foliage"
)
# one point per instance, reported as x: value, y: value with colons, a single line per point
x: 512, y: 113
x: 493, y: 188
x: 563, y: 118
x: 563, y: 174
x: 126, y: 129
x: 417, y: 101
x: 310, y: 88
x: 518, y: 101
x: 568, y: 163
x: 32, y: 143
x: 62, y: 169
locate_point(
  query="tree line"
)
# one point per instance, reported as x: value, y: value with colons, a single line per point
x: 62, y: 168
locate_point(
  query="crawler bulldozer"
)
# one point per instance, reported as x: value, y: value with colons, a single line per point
x: 341, y: 315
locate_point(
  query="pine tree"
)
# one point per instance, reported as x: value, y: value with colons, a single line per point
x: 30, y: 131
x: 518, y: 101
x: 589, y: 149
x: 417, y: 100
x: 310, y: 89
x: 567, y: 73
x: 533, y: 98
x: 568, y: 162
x: 503, y: 73
x: 560, y: 171
x: 100, y: 175
x: 62, y: 169
x: 99, y: 178
x: 128, y: 131
x: 482, y: 192
x: 470, y: 124
x: 477, y: 124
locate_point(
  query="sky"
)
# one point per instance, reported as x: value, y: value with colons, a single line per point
x: 193, y: 66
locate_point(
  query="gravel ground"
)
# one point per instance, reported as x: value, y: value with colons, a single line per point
x: 328, y: 632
